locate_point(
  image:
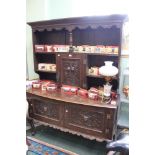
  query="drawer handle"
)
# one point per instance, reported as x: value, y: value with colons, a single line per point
x: 68, y: 68
x: 108, y: 116
x: 85, y: 118
x: 45, y: 108
x: 107, y: 131
x: 72, y: 68
x: 66, y: 110
x: 58, y: 55
x: 70, y: 55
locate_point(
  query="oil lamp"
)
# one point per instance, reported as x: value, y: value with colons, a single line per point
x: 108, y: 71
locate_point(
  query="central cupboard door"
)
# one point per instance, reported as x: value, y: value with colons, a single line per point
x: 70, y: 69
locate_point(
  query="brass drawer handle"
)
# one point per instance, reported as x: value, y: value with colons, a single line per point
x: 85, y: 118
x: 108, y: 116
x: 72, y: 68
x: 106, y: 130
x: 45, y: 108
x: 70, y: 55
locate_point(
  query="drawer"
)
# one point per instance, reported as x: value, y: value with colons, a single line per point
x: 85, y: 119
x: 46, y: 111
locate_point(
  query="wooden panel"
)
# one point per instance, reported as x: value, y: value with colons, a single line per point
x: 46, y: 110
x: 89, y: 120
x: 73, y: 99
x: 98, y: 36
x: 70, y: 71
x: 111, y: 123
x: 71, y: 68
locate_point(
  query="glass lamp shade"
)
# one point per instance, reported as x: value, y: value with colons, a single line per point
x: 108, y: 69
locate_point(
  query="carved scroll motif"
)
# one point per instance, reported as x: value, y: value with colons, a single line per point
x: 71, y: 27
x: 71, y: 69
x: 89, y: 119
x: 48, y: 110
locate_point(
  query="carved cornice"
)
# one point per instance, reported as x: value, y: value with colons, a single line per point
x: 74, y: 26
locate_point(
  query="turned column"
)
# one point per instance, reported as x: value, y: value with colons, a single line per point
x: 70, y: 29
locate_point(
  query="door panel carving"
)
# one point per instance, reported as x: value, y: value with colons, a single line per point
x: 71, y: 71
x: 85, y: 119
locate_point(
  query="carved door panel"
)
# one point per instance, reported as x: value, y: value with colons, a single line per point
x: 85, y: 119
x: 46, y: 111
x: 70, y: 69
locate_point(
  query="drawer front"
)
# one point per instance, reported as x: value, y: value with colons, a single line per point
x: 89, y: 120
x: 46, y: 111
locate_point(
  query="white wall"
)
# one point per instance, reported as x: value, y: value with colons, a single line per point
x: 58, y: 9
x: 35, y: 10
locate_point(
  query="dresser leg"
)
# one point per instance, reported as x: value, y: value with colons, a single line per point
x: 32, y: 126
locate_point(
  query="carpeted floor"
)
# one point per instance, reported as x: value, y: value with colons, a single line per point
x: 68, y: 141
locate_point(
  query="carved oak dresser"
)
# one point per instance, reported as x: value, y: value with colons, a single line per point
x: 88, y: 118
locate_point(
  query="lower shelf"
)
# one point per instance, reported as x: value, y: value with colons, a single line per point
x: 67, y: 141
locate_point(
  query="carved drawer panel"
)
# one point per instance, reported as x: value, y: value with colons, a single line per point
x: 47, y: 111
x: 85, y: 119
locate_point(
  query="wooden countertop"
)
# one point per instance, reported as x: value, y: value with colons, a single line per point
x: 74, y: 99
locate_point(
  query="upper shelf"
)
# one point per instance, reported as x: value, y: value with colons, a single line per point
x: 45, y: 71
x: 45, y: 52
x: 101, y: 54
x: 79, y: 22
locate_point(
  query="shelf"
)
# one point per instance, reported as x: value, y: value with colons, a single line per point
x: 114, y: 55
x: 45, y: 71
x: 44, y: 52
x: 95, y: 76
x: 98, y: 76
x: 102, y: 54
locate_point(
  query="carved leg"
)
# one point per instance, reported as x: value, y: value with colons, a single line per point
x: 32, y: 126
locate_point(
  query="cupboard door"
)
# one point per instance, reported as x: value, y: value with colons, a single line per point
x: 70, y: 69
x: 84, y: 119
x: 46, y: 111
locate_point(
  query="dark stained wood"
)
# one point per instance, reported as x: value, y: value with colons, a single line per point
x: 71, y: 68
x: 45, y: 71
x: 75, y: 99
x: 81, y: 116
x: 81, y: 22
x: 92, y: 30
